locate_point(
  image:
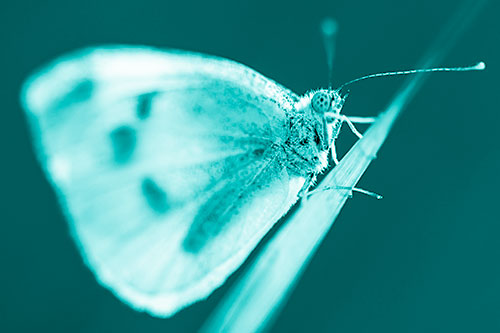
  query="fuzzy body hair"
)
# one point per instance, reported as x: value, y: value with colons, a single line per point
x: 310, y: 136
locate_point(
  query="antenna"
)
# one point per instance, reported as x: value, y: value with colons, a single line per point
x: 477, y: 67
x: 329, y: 29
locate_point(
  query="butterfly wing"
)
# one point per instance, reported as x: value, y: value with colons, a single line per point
x: 165, y: 163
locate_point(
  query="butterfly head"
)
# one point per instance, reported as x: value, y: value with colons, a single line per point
x: 325, y: 101
x: 321, y: 110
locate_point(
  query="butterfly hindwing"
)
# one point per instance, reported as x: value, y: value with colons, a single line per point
x: 165, y: 163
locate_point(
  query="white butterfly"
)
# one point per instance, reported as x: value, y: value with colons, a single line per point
x: 171, y: 166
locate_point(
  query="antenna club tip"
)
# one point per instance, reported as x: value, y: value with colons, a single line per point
x: 480, y: 66
x: 329, y: 26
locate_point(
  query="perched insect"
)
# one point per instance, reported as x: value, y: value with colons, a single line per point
x: 170, y: 166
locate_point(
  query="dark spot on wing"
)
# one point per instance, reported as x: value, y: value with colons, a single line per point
x: 80, y: 92
x: 155, y: 196
x: 123, y: 141
x: 144, y: 103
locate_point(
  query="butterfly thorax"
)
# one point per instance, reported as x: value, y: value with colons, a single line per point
x: 307, y: 145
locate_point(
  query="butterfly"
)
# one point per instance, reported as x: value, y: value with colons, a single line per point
x: 171, y: 166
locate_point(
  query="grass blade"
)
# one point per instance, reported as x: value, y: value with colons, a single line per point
x: 256, y: 297
x: 276, y: 269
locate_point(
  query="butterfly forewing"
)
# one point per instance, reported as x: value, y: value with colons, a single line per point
x: 165, y: 164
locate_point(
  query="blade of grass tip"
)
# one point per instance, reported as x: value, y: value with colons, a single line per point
x: 255, y: 299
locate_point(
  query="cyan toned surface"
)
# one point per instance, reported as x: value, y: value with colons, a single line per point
x: 423, y: 259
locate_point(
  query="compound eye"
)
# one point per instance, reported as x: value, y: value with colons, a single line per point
x: 321, y: 101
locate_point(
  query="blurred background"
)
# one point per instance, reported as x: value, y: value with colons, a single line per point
x: 426, y: 258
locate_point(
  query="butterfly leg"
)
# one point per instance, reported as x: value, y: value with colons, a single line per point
x: 350, y: 189
x: 304, y: 191
x: 362, y: 120
x: 351, y: 126
x: 351, y: 120
x: 334, y: 153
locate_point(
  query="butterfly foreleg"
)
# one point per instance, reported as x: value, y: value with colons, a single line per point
x: 362, y: 120
x: 351, y: 120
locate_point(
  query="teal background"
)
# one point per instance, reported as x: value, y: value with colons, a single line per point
x: 424, y: 259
